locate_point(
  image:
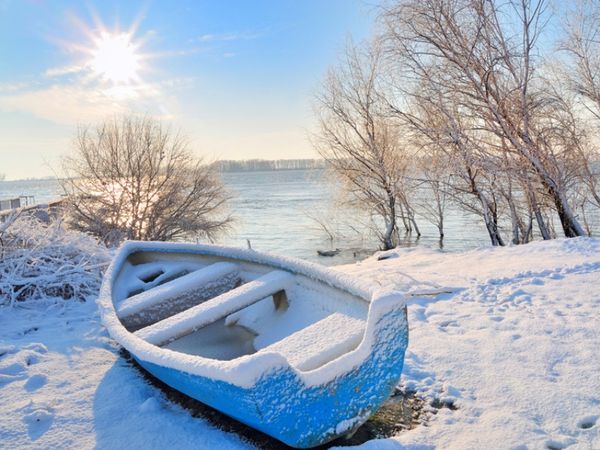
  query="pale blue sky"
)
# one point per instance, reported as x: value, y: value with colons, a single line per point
x: 236, y: 76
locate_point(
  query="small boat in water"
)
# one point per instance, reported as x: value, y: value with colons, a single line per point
x: 328, y: 252
x: 295, y: 350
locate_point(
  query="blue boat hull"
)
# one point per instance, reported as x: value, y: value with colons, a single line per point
x: 263, y: 389
x: 281, y: 405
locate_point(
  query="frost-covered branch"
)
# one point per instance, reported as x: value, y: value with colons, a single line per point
x: 41, y: 261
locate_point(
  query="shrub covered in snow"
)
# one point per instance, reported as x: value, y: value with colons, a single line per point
x: 46, y: 260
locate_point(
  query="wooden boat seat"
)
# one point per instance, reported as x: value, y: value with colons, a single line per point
x: 321, y: 342
x: 216, y: 308
x: 177, y: 295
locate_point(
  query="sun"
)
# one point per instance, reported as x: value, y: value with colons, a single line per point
x: 115, y: 57
x: 113, y: 60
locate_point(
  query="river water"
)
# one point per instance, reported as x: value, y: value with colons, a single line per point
x: 279, y: 212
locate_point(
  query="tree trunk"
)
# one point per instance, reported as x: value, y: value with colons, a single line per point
x: 406, y: 224
x: 414, y: 224
x: 514, y: 218
x: 491, y: 223
x: 440, y: 224
x: 391, y: 226
x: 570, y: 225
x: 411, y: 218
x: 528, y: 233
x: 388, y: 237
x: 535, y: 207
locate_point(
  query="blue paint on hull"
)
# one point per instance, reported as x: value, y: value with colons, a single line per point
x: 281, y: 405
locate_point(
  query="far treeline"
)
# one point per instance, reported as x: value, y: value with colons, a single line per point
x: 263, y: 164
x: 491, y: 105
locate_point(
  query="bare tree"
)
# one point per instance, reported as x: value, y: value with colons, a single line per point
x: 490, y: 73
x: 362, y: 145
x: 131, y: 178
x: 582, y: 45
x: 440, y: 127
x: 433, y: 178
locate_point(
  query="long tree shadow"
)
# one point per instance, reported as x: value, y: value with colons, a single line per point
x: 403, y: 411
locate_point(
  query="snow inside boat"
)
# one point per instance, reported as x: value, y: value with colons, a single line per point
x: 293, y: 349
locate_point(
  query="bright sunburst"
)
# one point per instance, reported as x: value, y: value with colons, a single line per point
x: 114, y: 57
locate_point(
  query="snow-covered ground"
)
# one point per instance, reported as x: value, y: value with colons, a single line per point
x: 514, y: 344
x: 516, y: 347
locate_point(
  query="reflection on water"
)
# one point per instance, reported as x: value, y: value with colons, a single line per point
x: 276, y: 212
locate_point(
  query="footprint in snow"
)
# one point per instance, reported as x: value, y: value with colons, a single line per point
x: 447, y: 323
x: 36, y: 347
x: 517, y: 295
x: 33, y: 353
x: 419, y: 314
x: 587, y: 422
x: 14, y: 362
x: 12, y: 372
x: 38, y: 422
x: 554, y: 445
x: 7, y: 350
x: 35, y: 382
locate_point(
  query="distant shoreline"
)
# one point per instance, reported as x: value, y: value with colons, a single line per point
x: 258, y: 165
x: 272, y: 170
x: 233, y: 166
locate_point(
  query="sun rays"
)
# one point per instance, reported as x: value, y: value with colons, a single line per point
x: 110, y: 59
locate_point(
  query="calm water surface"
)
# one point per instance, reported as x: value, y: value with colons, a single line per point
x: 276, y: 211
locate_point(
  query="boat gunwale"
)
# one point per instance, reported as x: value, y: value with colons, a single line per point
x: 246, y: 370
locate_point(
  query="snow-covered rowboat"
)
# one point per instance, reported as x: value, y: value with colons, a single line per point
x: 297, y: 351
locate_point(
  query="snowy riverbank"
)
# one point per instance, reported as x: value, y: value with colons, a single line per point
x: 513, y: 346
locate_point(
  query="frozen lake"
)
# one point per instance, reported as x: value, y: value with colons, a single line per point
x: 278, y: 211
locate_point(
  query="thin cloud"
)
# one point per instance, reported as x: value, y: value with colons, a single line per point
x: 228, y: 37
x: 74, y: 104
x: 12, y: 87
x: 175, y: 53
x: 65, y: 70
x: 67, y: 105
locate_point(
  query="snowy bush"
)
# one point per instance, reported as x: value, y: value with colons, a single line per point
x: 46, y: 260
